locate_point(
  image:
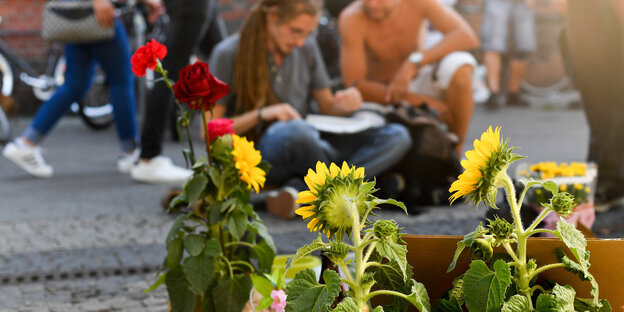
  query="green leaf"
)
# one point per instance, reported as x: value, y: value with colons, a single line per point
x: 174, y: 252
x: 194, y: 244
x: 548, y: 303
x: 305, y: 251
x: 347, y: 305
x: 231, y: 294
x: 199, y: 271
x: 157, y: 283
x: 264, y: 166
x: 237, y: 223
x: 265, y: 256
x: 419, y: 297
x: 466, y: 242
x: 566, y: 294
x: 391, y: 201
x: 389, y: 276
x: 195, y: 186
x: 257, y: 227
x: 551, y: 187
x: 176, y: 226
x: 588, y: 305
x: 485, y: 290
x: 262, y: 285
x: 576, y: 242
x: 264, y: 303
x: 305, y: 294
x: 181, y: 297
x: 179, y: 199
x: 448, y: 305
x: 394, y: 252
x: 517, y: 303
x: 378, y: 309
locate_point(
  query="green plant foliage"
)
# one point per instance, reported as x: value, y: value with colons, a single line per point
x: 305, y: 294
x: 485, y: 289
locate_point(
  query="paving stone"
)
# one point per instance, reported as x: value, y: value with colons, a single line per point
x: 10, y: 296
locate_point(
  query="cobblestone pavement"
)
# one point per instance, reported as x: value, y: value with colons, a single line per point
x: 90, y: 239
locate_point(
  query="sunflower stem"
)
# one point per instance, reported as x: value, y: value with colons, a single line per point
x: 521, y: 256
x: 539, y: 219
x: 358, y: 293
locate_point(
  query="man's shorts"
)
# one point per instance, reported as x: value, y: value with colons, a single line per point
x: 497, y: 16
x: 433, y: 79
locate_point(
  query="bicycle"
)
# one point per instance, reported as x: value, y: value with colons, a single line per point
x: 43, y: 84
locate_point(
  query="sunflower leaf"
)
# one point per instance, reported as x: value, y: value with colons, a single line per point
x: 517, y: 303
x: 468, y: 241
x: 305, y: 250
x: 447, y: 305
x: 347, y: 305
x: 419, y: 297
x: 551, y: 187
x: 195, y: 186
x: 237, y: 223
x: 231, y: 294
x: 257, y: 227
x: 391, y: 201
x: 587, y: 305
x: 304, y: 293
x: 485, y: 289
x: 182, y: 297
x: 194, y: 244
x: 395, y: 253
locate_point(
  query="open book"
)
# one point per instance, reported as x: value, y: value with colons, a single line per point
x: 369, y: 116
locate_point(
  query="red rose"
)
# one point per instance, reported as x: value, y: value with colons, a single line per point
x: 145, y: 57
x: 197, y: 87
x: 219, y: 127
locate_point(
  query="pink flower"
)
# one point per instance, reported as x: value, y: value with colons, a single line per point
x: 279, y: 300
x: 219, y: 127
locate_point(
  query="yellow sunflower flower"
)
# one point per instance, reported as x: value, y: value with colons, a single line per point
x: 246, y: 160
x: 483, y: 165
x: 327, y: 205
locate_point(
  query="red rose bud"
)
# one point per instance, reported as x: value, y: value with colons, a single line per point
x: 198, y: 88
x: 219, y: 127
x: 146, y: 57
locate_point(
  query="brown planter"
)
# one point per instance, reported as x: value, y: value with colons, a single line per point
x: 430, y: 255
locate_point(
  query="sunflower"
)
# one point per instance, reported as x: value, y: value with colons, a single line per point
x: 332, y: 194
x: 246, y: 160
x: 485, y: 168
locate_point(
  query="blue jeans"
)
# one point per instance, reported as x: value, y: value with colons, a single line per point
x: 114, y: 58
x: 292, y: 147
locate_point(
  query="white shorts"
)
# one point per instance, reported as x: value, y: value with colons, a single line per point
x: 433, y: 79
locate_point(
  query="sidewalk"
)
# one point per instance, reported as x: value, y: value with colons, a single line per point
x: 91, y: 239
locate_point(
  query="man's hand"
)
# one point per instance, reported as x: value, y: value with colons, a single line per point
x: 398, y: 87
x: 281, y: 112
x: 104, y: 13
x: 348, y: 100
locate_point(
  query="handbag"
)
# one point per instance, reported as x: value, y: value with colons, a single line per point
x: 72, y: 22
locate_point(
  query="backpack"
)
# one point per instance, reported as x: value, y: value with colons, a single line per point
x: 431, y: 164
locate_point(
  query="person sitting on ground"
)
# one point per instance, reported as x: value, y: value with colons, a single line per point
x: 382, y: 56
x: 276, y: 70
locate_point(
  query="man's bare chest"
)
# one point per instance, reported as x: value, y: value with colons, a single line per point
x: 389, y: 44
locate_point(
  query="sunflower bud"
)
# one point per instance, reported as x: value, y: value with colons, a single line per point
x: 337, y: 252
x: 482, y: 249
x: 367, y: 280
x: 385, y: 229
x: 562, y: 203
x: 500, y: 228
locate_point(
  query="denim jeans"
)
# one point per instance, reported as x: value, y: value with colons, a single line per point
x: 292, y: 147
x: 113, y: 56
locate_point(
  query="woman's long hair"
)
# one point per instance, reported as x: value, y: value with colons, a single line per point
x: 251, y: 74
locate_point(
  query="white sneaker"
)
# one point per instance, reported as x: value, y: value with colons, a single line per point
x: 160, y: 170
x: 28, y: 158
x: 125, y: 162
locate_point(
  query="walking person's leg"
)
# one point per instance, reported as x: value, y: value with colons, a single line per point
x: 25, y: 151
x: 187, y: 18
x: 114, y: 58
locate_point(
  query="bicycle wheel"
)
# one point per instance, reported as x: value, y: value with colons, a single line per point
x: 96, y: 109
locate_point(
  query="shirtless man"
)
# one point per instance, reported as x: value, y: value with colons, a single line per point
x: 382, y: 56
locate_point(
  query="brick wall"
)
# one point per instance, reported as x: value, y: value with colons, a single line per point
x: 21, y: 22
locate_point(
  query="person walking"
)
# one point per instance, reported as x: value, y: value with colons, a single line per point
x: 192, y: 24
x: 113, y: 56
x: 495, y: 29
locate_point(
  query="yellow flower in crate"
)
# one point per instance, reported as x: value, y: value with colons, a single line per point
x: 481, y: 178
x: 332, y: 193
x: 246, y: 160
